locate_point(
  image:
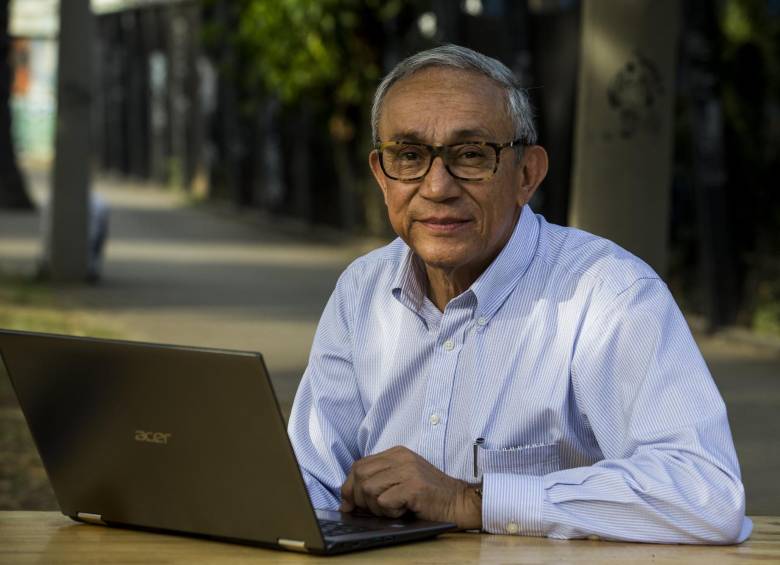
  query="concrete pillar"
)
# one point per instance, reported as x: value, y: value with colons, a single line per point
x: 623, y: 141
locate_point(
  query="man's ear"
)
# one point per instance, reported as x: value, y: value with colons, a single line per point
x: 531, y: 171
x: 376, y: 169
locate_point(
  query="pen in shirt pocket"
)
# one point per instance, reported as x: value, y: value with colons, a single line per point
x: 477, y: 443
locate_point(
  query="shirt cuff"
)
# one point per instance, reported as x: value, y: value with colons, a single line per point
x: 513, y: 504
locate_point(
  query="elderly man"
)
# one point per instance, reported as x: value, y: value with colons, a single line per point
x: 493, y: 370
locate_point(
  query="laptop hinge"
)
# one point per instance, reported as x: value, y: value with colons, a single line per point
x: 90, y: 518
x: 292, y: 544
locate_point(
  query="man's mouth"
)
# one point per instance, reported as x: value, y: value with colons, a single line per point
x: 444, y: 224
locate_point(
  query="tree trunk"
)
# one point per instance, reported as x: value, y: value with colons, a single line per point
x: 68, y: 235
x: 12, y: 186
x: 623, y: 144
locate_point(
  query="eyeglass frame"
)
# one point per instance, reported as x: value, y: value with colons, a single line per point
x: 440, y: 150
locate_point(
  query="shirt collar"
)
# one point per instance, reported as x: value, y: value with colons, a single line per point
x: 411, y: 284
x: 501, y: 277
x: 493, y: 285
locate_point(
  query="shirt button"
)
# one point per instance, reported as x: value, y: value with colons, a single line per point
x: 482, y: 321
x: 434, y: 419
x: 512, y: 528
x: 449, y: 345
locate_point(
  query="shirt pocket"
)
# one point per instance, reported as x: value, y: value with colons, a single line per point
x: 522, y: 460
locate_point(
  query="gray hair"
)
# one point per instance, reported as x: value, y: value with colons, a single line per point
x: 517, y: 105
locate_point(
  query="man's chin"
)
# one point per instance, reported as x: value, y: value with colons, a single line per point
x: 446, y: 261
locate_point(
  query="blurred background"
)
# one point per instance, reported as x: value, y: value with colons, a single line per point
x: 195, y: 171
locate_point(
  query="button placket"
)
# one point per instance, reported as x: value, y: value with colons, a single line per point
x: 452, y: 327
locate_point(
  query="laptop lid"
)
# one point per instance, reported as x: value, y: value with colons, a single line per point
x: 165, y: 437
x: 177, y: 438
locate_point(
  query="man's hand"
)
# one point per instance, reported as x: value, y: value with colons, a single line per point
x: 397, y: 480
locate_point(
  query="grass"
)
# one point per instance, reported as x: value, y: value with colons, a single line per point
x: 27, y: 305
x: 33, y: 306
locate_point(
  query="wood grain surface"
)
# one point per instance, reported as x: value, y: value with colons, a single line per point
x: 50, y: 538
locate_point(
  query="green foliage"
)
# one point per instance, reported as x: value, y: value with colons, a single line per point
x: 744, y: 21
x: 316, y: 50
x: 748, y: 24
x: 766, y: 318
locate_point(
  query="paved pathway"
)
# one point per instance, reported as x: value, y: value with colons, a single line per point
x: 213, y: 277
x: 184, y: 274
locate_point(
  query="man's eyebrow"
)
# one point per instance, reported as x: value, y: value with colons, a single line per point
x: 408, y: 135
x: 470, y: 134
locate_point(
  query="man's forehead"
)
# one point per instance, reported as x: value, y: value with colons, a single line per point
x: 422, y: 136
x: 444, y: 73
x: 465, y: 103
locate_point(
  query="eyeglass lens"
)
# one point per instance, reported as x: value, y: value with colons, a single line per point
x: 411, y: 161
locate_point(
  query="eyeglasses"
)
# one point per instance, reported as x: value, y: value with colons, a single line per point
x: 470, y: 161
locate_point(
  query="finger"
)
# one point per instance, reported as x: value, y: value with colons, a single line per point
x: 347, y: 494
x: 367, y: 492
x: 367, y: 467
x: 357, y: 497
x: 394, y: 501
x: 353, y: 493
x: 363, y: 471
x: 366, y: 499
x: 372, y: 464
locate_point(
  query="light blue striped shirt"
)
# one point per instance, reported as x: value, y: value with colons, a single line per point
x: 568, y: 356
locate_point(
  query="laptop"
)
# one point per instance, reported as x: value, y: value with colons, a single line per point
x: 176, y: 439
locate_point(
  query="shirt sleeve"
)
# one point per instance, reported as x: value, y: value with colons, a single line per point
x: 669, y: 473
x: 327, y: 410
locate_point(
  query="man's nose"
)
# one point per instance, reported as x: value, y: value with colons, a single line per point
x: 438, y: 184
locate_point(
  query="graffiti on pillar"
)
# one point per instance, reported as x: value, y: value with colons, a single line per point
x: 634, y: 94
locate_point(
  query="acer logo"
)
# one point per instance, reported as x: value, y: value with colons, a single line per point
x: 152, y: 437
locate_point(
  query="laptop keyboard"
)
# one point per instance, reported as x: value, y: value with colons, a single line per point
x: 335, y: 528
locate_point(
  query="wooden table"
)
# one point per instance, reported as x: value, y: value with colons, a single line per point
x: 50, y: 538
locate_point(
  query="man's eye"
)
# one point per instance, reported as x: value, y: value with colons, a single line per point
x: 470, y: 153
x: 409, y: 155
